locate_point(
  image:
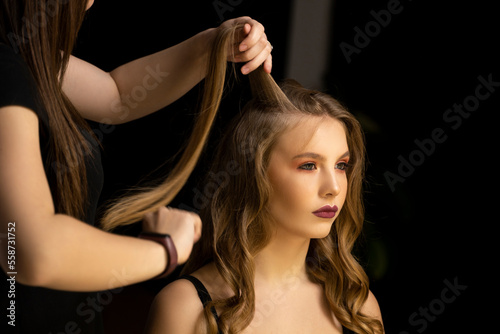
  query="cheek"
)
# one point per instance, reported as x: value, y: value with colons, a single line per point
x: 340, y: 198
x: 289, y: 195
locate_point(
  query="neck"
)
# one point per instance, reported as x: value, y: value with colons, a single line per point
x: 282, y: 260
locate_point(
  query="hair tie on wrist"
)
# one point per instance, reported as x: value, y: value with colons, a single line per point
x: 167, y: 242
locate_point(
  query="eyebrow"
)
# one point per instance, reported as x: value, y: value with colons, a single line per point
x: 316, y: 156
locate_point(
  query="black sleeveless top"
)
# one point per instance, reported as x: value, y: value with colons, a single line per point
x: 40, y: 310
x: 205, y: 298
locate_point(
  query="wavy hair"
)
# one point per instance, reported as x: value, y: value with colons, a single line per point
x: 236, y: 223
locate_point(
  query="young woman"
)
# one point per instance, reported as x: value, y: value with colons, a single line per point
x: 275, y: 256
x: 50, y: 169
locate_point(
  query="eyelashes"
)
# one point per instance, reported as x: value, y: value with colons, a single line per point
x: 308, y: 166
x: 343, y: 166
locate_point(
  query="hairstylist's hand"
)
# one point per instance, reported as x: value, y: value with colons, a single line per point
x: 184, y: 228
x: 251, y: 45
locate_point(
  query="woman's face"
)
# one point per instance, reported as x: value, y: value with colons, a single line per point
x: 307, y: 171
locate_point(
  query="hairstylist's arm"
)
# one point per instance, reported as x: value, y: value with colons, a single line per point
x: 160, y: 78
x: 58, y: 251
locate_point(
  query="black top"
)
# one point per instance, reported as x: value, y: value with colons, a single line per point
x: 40, y: 310
x: 205, y: 298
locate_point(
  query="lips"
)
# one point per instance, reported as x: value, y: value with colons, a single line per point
x: 326, y: 211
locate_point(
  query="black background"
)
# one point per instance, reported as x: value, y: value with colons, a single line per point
x: 436, y: 226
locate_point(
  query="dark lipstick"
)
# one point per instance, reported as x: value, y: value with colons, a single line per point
x: 326, y: 211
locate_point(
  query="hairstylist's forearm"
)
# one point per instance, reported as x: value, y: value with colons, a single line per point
x: 140, y: 87
x: 71, y: 255
x: 150, y: 83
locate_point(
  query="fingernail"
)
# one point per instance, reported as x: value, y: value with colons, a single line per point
x: 243, y: 47
x: 245, y: 70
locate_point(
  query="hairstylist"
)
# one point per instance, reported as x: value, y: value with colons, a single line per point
x: 50, y: 171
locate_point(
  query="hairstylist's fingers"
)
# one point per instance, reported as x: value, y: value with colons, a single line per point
x: 263, y: 57
x: 268, y: 64
x: 187, y: 233
x: 184, y: 228
x: 253, y: 36
x: 149, y: 222
x: 256, y: 49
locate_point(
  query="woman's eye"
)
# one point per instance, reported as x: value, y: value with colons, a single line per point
x: 308, y: 166
x: 342, y: 165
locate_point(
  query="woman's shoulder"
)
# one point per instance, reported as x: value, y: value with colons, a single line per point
x: 212, y: 281
x: 180, y: 288
x: 175, y: 309
x: 178, y: 307
x: 371, y: 307
x: 195, y: 287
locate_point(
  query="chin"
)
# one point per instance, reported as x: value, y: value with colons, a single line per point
x: 321, y: 235
x: 322, y: 232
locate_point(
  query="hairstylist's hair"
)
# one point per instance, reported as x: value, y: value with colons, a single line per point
x: 131, y: 208
x: 43, y: 32
x: 236, y: 223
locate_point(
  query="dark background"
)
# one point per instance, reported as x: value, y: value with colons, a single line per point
x: 437, y: 226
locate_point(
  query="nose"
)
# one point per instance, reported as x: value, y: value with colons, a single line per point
x: 329, y: 184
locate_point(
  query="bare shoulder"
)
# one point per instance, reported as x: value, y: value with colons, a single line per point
x: 175, y: 309
x: 371, y: 307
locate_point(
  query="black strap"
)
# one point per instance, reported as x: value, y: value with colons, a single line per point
x: 202, y: 293
x: 205, y: 298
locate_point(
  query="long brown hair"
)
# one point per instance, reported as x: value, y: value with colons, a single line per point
x: 131, y: 208
x: 43, y: 32
x: 236, y: 222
